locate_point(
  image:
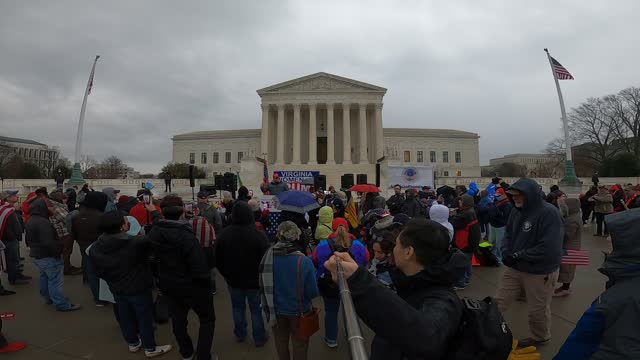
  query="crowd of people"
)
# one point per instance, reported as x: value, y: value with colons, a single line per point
x: 410, y: 255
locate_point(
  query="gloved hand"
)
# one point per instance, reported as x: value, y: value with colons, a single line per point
x: 511, y: 259
x: 528, y: 353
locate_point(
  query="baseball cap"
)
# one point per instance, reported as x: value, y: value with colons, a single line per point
x: 42, y: 191
x: 6, y: 193
x: 500, y: 192
x: 203, y: 194
x: 288, y: 231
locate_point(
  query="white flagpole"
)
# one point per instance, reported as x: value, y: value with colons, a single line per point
x: 565, y: 123
x: 82, y: 110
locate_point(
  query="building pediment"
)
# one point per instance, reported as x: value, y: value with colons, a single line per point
x: 321, y: 83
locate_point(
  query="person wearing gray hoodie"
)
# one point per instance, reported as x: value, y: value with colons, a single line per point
x: 112, y: 194
x: 531, y: 251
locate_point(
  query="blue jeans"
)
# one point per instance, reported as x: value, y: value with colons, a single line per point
x: 94, y: 281
x: 331, y: 308
x: 135, y: 314
x: 239, y: 298
x: 465, y: 279
x: 51, y: 281
x: 497, y: 235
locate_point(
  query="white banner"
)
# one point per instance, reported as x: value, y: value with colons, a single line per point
x: 410, y: 176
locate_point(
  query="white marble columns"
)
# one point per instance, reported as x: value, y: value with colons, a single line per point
x: 346, y: 133
x: 300, y: 144
x: 363, y: 133
x: 296, y: 134
x: 379, y: 139
x: 280, y: 136
x: 313, y: 139
x: 331, y: 158
x: 264, y: 138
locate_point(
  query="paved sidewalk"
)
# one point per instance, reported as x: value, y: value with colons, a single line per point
x: 92, y: 333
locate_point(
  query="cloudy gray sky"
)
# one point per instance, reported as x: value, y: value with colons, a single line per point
x: 169, y: 67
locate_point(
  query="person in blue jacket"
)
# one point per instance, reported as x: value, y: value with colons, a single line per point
x: 288, y: 285
x: 610, y: 328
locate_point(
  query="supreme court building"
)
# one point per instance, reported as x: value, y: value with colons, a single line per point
x: 327, y: 123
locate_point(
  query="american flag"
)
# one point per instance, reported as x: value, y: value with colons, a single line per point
x: 560, y: 71
x: 91, y: 76
x: 298, y: 186
x: 575, y: 257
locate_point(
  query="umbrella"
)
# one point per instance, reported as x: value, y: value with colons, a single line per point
x: 297, y: 201
x: 365, y: 188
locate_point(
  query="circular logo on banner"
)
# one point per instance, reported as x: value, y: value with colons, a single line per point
x: 410, y: 174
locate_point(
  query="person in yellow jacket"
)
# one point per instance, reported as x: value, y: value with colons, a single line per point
x: 325, y: 219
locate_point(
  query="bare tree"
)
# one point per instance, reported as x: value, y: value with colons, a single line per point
x: 624, y: 109
x: 111, y: 167
x: 592, y: 122
x: 87, y: 162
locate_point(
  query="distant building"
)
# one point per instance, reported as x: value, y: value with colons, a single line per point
x: 111, y: 172
x: 536, y: 164
x: 43, y: 156
x: 333, y: 126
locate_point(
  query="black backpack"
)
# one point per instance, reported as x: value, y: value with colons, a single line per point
x: 483, y: 333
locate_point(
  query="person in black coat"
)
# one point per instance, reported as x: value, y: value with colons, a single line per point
x: 396, y: 201
x: 184, y: 277
x: 122, y: 261
x: 46, y: 251
x: 412, y: 206
x: 239, y: 250
x: 426, y: 312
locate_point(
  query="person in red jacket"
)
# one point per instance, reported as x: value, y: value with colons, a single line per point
x: 41, y: 193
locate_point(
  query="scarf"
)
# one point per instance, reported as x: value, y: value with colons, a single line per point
x: 281, y: 248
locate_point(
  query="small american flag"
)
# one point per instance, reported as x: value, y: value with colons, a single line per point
x: 575, y: 257
x: 560, y: 71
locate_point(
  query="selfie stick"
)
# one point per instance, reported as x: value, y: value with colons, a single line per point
x: 354, y: 335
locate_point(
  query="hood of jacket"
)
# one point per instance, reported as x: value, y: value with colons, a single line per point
x: 624, y: 260
x: 325, y: 216
x: 442, y: 272
x: 95, y: 200
x: 531, y: 191
x: 439, y: 213
x: 110, y: 192
x: 39, y: 208
x: 573, y: 205
x: 242, y: 214
x: 169, y: 234
x: 473, y: 189
x: 111, y: 243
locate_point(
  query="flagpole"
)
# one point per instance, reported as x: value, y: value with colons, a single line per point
x: 570, y: 178
x: 76, y: 176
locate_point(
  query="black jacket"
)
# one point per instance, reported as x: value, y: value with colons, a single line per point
x: 123, y: 262
x: 42, y: 237
x: 412, y: 207
x: 182, y: 264
x: 426, y: 312
x: 240, y: 249
x: 395, y: 203
x: 460, y: 221
x: 535, y: 232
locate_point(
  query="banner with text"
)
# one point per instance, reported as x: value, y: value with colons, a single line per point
x: 410, y: 176
x: 301, y: 177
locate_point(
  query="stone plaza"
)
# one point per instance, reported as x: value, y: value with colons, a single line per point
x: 92, y: 333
